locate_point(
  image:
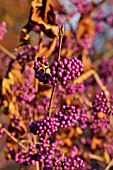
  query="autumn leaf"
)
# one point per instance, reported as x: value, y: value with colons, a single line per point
x: 41, y: 14
x: 14, y: 77
x: 85, y: 26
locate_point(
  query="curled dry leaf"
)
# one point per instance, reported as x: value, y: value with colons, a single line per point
x: 41, y: 14
x: 14, y: 77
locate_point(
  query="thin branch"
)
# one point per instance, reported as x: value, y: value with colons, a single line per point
x: 96, y: 157
x: 51, y: 100
x: 84, y: 76
x: 99, y: 82
x: 13, y: 138
x: 7, y: 52
x: 109, y: 165
x: 61, y: 34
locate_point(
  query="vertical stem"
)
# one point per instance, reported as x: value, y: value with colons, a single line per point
x: 40, y: 46
x: 61, y: 34
x: 51, y: 99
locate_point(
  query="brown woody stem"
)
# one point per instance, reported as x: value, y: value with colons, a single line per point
x: 99, y: 82
x: 61, y: 34
x: 51, y: 100
x: 13, y: 138
x: 7, y: 52
x: 109, y: 165
x: 96, y: 157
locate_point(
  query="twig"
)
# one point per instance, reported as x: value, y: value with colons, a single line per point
x: 7, y: 52
x: 109, y: 165
x: 13, y: 138
x: 84, y: 76
x: 102, y: 87
x: 51, y: 100
x: 96, y: 157
x: 61, y: 34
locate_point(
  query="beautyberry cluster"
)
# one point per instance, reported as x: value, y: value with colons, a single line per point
x: 67, y: 116
x: 45, y: 153
x: 27, y: 55
x: 44, y: 126
x: 99, y: 124
x: 72, y: 88
x: 65, y: 70
x: 99, y: 103
x: 40, y: 68
x: 70, y: 163
x: 60, y: 70
x: 21, y: 157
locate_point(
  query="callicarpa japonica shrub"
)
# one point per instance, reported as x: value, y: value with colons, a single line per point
x: 56, y: 105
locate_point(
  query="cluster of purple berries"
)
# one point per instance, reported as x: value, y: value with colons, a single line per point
x: 83, y: 6
x: 62, y: 70
x: 45, y: 153
x: 70, y: 163
x: 83, y: 118
x: 72, y: 88
x: 25, y: 92
x: 100, y: 104
x: 26, y: 55
x: 40, y: 68
x: 65, y: 70
x: 45, y: 126
x: 64, y: 118
x: 99, y: 124
x: 21, y: 157
x: 67, y: 116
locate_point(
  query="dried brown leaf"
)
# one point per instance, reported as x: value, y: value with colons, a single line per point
x: 85, y: 26
x: 41, y: 14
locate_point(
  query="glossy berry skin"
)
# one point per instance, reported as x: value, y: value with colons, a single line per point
x: 61, y: 71
x: 100, y: 103
x: 65, y: 70
x: 67, y: 116
x: 45, y: 153
x: 45, y: 126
